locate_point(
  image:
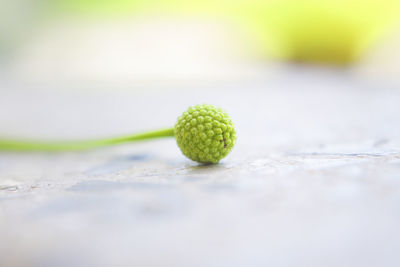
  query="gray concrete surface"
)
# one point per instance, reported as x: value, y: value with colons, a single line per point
x: 314, y: 179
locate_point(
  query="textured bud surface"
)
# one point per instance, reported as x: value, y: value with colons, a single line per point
x: 205, y: 133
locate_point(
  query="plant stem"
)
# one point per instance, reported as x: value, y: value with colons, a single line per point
x: 25, y: 145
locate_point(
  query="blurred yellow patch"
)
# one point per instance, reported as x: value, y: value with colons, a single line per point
x: 333, y: 31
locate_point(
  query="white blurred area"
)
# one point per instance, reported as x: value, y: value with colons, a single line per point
x: 130, y: 51
x: 382, y: 63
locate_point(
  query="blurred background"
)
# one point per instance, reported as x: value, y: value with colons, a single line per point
x: 131, y: 42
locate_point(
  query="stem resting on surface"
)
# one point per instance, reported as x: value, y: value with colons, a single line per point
x: 24, y: 145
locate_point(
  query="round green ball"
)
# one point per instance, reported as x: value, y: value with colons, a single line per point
x: 205, y: 134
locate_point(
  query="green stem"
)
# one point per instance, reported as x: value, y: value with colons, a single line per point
x: 24, y: 145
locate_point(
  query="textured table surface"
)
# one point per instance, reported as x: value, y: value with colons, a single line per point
x: 314, y: 179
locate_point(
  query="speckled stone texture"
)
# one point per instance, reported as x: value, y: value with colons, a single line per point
x: 313, y: 180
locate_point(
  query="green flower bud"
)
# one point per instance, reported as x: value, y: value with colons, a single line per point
x: 205, y: 133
